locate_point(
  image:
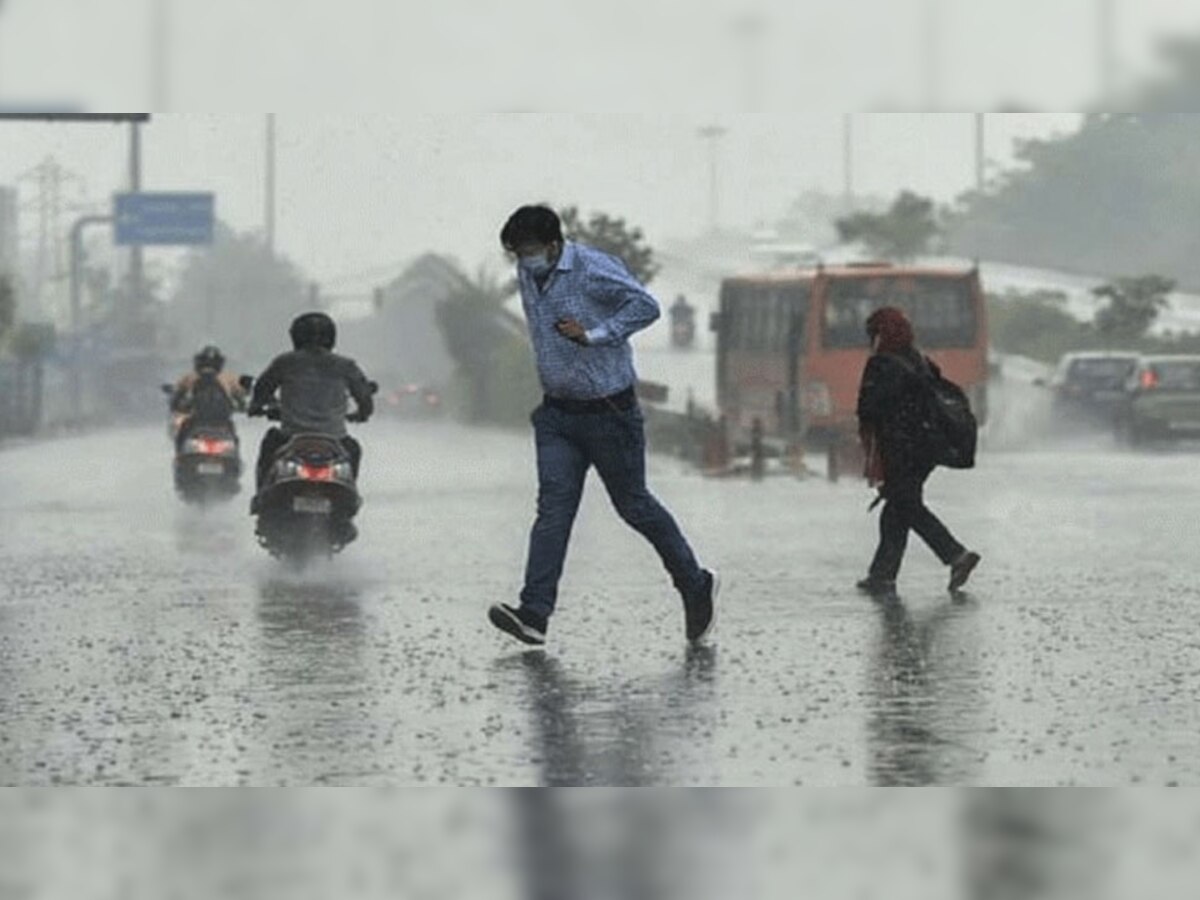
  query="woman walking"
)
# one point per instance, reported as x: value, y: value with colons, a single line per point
x: 892, y: 412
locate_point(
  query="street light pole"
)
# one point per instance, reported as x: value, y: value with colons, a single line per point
x: 713, y: 135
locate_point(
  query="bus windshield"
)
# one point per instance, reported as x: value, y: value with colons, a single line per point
x: 942, y: 309
x: 760, y: 317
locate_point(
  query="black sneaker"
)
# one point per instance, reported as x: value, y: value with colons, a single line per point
x: 877, y: 587
x: 700, y: 613
x: 961, y: 570
x: 525, y: 626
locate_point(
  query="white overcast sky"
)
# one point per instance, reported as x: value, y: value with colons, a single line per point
x: 361, y: 189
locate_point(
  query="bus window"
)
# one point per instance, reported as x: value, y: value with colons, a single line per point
x: 942, y: 309
x: 791, y: 312
x: 752, y: 314
x: 731, y: 315
x: 757, y: 317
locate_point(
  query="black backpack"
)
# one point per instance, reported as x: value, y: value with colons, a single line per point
x: 950, y: 429
x: 210, y: 404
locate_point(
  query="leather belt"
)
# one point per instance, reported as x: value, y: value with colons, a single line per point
x: 622, y: 402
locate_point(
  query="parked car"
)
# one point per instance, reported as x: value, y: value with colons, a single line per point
x: 1091, y: 386
x: 1161, y: 400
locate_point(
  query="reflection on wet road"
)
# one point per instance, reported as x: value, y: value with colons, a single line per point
x: 925, y: 697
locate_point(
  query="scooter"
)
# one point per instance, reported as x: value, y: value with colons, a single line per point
x: 309, y: 499
x: 207, y: 463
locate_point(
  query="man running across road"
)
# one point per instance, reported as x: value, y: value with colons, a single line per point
x: 582, y: 307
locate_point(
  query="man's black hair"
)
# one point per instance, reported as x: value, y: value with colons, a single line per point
x: 531, y: 225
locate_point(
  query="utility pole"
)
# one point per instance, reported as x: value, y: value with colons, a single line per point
x: 270, y: 185
x: 50, y: 179
x: 848, y: 161
x: 713, y: 134
x: 135, y: 120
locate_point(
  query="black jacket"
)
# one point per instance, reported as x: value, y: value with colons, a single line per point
x: 893, y: 408
x: 314, y: 388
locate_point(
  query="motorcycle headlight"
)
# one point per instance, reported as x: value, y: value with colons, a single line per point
x: 343, y: 471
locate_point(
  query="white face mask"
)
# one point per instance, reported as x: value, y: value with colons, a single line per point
x: 537, y: 266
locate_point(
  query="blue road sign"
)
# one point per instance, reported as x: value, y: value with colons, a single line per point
x: 164, y: 218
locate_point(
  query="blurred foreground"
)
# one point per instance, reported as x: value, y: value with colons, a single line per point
x: 992, y: 844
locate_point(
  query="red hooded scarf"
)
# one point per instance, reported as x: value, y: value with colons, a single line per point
x: 892, y: 327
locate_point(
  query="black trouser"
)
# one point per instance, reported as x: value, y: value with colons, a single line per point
x: 905, y: 510
x: 275, y: 439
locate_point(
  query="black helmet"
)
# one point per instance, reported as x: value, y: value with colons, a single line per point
x: 314, y: 329
x: 209, y: 358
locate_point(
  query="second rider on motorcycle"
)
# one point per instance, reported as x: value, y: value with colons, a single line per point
x: 314, y: 385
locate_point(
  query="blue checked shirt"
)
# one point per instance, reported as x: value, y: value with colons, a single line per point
x: 598, y: 291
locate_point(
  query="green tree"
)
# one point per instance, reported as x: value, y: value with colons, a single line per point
x: 1133, y: 306
x: 905, y: 230
x: 615, y: 236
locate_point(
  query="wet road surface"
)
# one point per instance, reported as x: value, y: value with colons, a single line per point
x: 142, y: 642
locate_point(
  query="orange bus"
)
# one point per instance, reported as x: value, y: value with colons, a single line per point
x: 791, y: 347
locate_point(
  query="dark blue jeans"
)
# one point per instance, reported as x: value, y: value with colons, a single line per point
x: 568, y: 444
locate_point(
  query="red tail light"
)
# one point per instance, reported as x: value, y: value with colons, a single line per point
x: 1149, y: 380
x: 214, y: 447
x: 316, y: 473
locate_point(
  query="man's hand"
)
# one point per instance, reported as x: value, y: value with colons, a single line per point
x: 572, y: 331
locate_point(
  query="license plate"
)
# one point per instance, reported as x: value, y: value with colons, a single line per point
x: 210, y: 469
x: 321, y: 506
